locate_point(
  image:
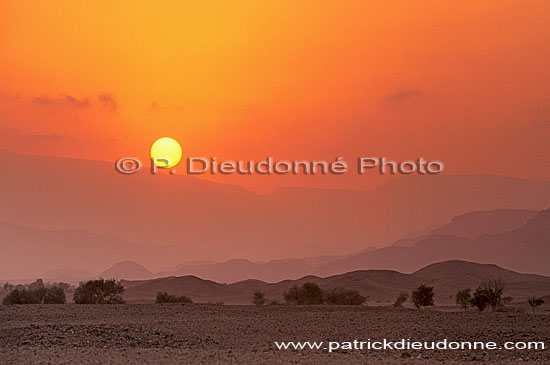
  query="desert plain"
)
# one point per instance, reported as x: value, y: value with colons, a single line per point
x: 213, y: 333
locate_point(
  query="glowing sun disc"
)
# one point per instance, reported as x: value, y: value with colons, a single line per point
x: 166, y: 152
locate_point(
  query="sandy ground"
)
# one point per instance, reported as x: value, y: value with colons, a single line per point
x: 173, y: 334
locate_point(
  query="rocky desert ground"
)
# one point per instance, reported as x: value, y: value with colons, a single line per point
x: 208, y: 333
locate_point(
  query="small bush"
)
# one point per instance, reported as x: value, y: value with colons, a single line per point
x: 312, y: 293
x: 400, y: 300
x: 258, y: 298
x: 99, y: 292
x: 464, y: 298
x: 423, y: 296
x: 480, y: 299
x: 164, y: 297
x: 20, y: 296
x: 309, y: 293
x: 52, y: 295
x: 343, y: 296
x: 294, y: 295
x: 493, y: 288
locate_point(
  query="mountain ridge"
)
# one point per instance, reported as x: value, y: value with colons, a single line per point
x: 379, y: 285
x: 68, y: 194
x: 526, y: 248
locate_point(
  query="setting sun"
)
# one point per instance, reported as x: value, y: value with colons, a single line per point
x: 166, y: 152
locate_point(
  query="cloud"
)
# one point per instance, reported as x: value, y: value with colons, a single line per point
x: 58, y: 144
x: 59, y: 125
x: 105, y: 101
x: 402, y: 96
x: 48, y: 137
x: 108, y: 102
x: 63, y: 100
x: 12, y: 134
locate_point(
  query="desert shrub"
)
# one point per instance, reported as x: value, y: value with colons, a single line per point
x: 258, y: 298
x: 400, y: 300
x: 39, y: 293
x: 494, y: 288
x: 20, y: 296
x: 343, y: 296
x: 164, y: 297
x: 309, y: 293
x: 463, y: 298
x: 423, y: 296
x: 293, y: 295
x: 312, y: 293
x: 480, y: 299
x: 534, y: 302
x: 52, y: 295
x: 99, y: 292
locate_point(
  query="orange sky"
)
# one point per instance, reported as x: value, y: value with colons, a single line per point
x: 466, y: 82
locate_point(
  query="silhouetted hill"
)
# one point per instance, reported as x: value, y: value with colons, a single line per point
x: 66, y: 275
x: 525, y: 249
x: 379, y: 285
x: 128, y: 270
x: 242, y: 269
x: 29, y: 253
x: 464, y: 272
x: 450, y: 276
x: 526, y: 246
x: 199, y: 290
x: 471, y: 225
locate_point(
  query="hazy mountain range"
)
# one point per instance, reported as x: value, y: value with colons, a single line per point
x: 83, y: 216
x: 379, y: 285
x: 528, y: 235
x: 525, y: 248
x: 213, y: 221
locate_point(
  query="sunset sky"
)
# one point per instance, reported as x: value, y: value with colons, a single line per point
x: 467, y: 83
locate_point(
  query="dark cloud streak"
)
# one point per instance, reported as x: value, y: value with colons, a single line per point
x: 108, y: 102
x: 63, y: 100
x: 403, y: 96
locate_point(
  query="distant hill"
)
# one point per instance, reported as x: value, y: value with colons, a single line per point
x: 529, y: 250
x: 450, y: 276
x: 242, y: 269
x: 468, y: 225
x: 66, y: 275
x: 471, y: 225
x: 44, y: 250
x: 379, y: 285
x: 128, y: 270
x: 199, y: 289
x: 526, y: 249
